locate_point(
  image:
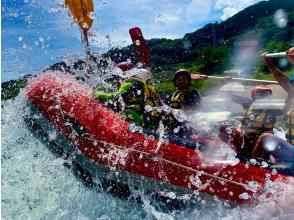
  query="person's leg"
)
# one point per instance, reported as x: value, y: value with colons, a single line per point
x: 275, y: 146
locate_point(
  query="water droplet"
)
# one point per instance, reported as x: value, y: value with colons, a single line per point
x: 52, y: 136
x: 283, y: 62
x: 264, y: 164
x: 85, y: 25
x: 187, y: 44
x: 148, y: 108
x: 176, y: 130
x: 41, y: 39
x: 229, y: 130
x: 244, y: 195
x: 171, y: 195
x: 252, y: 117
x: 253, y: 185
x: 253, y: 161
x: 280, y: 18
x: 137, y: 42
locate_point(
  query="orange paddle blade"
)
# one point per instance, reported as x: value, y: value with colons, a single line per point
x: 81, y: 11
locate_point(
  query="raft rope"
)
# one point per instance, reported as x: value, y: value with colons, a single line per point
x: 155, y: 158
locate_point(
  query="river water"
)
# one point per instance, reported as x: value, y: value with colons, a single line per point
x: 37, y: 185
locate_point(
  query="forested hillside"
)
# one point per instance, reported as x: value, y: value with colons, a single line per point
x: 208, y: 48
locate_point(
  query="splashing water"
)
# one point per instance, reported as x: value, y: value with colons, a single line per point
x: 36, y: 184
x: 100, y: 72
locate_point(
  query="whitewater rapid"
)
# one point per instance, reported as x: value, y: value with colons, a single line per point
x: 37, y: 185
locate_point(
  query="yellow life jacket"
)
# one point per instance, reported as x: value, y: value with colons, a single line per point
x: 177, y: 100
x: 141, y: 97
x: 256, y: 122
x: 189, y: 98
x: 290, y: 126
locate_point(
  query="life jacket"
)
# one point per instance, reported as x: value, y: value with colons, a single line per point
x: 139, y: 98
x: 139, y: 95
x: 257, y: 121
x: 177, y: 99
x: 189, y: 97
x: 290, y: 126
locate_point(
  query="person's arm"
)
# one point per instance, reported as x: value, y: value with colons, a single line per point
x: 278, y: 74
x: 125, y: 87
x: 104, y: 97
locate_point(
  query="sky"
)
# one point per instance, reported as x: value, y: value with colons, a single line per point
x: 38, y: 33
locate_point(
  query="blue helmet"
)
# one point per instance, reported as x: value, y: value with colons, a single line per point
x: 291, y: 78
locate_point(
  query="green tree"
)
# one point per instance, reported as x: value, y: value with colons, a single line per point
x: 213, y: 59
x: 276, y: 46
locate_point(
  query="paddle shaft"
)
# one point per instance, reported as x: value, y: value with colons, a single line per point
x: 245, y: 80
x: 273, y: 55
x: 88, y: 53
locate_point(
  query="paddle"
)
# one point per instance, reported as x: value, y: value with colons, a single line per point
x: 141, y: 48
x: 201, y: 76
x: 280, y: 54
x: 142, y: 51
x: 81, y: 11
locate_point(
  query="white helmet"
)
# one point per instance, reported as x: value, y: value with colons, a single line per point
x: 122, y: 74
x: 141, y: 73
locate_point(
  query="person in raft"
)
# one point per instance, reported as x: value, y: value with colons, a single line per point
x: 137, y: 99
x: 282, y: 150
x: 184, y: 100
x: 257, y: 119
x: 185, y: 97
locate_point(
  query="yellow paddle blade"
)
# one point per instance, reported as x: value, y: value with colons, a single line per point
x: 81, y: 11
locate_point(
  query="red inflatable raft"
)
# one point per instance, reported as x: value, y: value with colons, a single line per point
x: 107, y: 141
